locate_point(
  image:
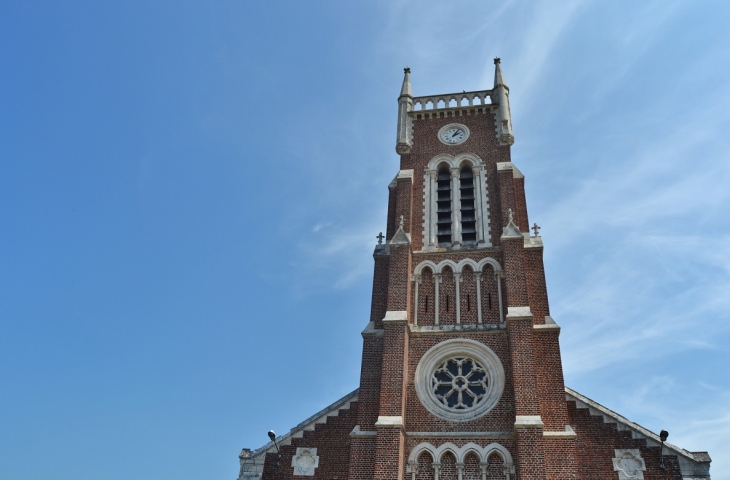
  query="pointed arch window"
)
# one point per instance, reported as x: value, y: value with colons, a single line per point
x: 443, y: 206
x: 456, y: 204
x: 468, y: 210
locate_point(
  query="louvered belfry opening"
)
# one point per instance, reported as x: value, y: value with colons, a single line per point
x: 468, y: 210
x: 443, y: 206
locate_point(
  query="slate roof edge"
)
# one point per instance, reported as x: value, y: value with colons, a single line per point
x: 350, y: 397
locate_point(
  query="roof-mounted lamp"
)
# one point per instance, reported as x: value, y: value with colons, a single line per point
x: 272, y: 436
x: 663, y: 437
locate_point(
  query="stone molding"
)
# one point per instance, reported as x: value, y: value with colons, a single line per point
x: 441, y: 329
x: 504, y: 166
x: 389, y: 422
x: 371, y: 331
x: 548, y: 326
x: 477, y: 267
x: 519, y: 313
x: 460, y: 453
x: 483, y: 435
x: 395, y: 316
x: 356, y: 432
x: 528, y: 421
x: 569, y: 433
x: 405, y: 174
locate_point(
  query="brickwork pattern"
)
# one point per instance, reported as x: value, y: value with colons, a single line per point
x: 393, y: 371
x: 598, y: 440
x: 362, y: 458
x: 389, y: 454
x: 536, y: 286
x: 380, y: 288
x: 332, y: 440
x: 527, y: 401
x: 530, y: 453
x: 549, y: 377
x: 369, y: 394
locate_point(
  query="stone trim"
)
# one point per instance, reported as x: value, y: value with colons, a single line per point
x: 548, y: 326
x: 528, y: 421
x: 395, y: 316
x: 460, y: 453
x: 440, y: 329
x: 371, y: 331
x: 567, y: 434
x: 405, y: 174
x: 519, y: 313
x: 389, y: 421
x: 485, y: 435
x: 356, y: 432
x: 504, y: 166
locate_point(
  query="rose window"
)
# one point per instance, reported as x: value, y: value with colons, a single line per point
x: 459, y: 379
x: 459, y: 383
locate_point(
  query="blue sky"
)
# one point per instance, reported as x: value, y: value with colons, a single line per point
x: 190, y: 193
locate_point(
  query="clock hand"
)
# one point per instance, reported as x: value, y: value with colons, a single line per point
x: 455, y: 134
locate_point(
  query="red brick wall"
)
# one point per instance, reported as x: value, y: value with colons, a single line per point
x: 500, y: 419
x: 332, y: 441
x: 597, y: 441
x: 482, y: 142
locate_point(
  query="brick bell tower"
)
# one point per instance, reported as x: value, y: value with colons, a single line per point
x: 461, y: 371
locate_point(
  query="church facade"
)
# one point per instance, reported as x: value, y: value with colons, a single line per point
x: 461, y: 369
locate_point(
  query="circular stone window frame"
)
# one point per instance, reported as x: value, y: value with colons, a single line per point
x: 467, y: 132
x: 461, y: 347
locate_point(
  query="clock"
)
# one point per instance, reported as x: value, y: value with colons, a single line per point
x: 453, y: 134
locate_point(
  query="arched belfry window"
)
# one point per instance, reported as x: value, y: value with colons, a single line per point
x: 468, y: 210
x: 443, y: 206
x: 456, y: 203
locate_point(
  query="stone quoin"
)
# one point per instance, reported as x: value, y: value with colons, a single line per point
x: 461, y: 373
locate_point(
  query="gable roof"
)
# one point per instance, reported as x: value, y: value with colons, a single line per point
x: 694, y: 465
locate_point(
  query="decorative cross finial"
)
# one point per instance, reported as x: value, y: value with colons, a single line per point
x: 380, y: 238
x: 400, y: 224
x: 510, y: 216
x: 497, y: 61
x: 407, y: 70
x: 536, y: 229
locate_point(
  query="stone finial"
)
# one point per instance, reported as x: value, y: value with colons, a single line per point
x: 406, y: 88
x: 400, y: 237
x: 536, y: 229
x: 498, y: 75
x: 511, y: 230
x: 404, y: 140
x: 500, y: 96
x: 380, y: 238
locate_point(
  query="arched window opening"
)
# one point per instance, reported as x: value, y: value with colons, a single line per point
x: 468, y: 210
x: 443, y: 207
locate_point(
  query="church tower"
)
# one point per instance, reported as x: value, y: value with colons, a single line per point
x: 461, y: 371
x: 461, y: 356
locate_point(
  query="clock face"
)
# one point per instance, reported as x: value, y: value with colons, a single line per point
x: 453, y: 135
